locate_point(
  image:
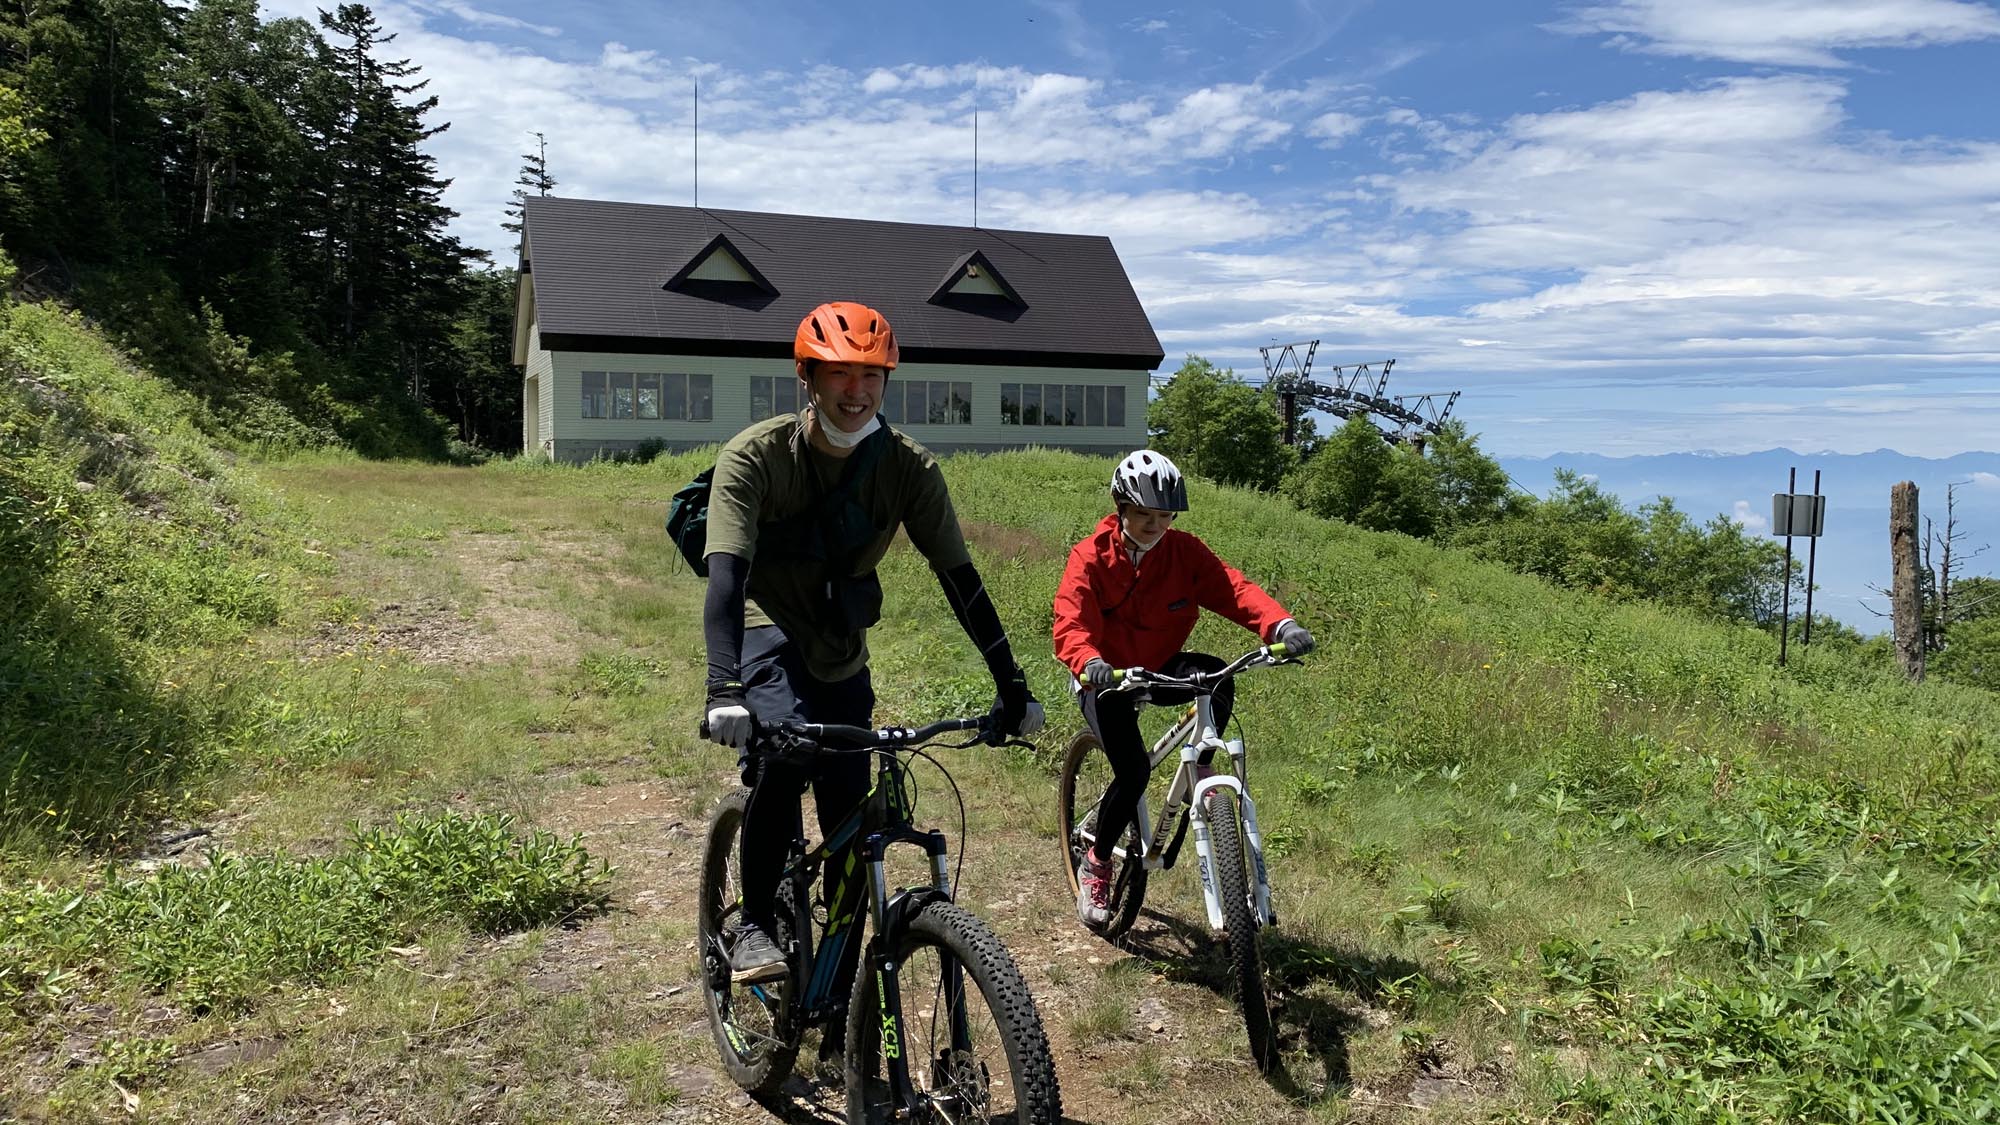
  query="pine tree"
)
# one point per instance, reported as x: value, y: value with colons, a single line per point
x: 236, y: 160
x: 535, y: 180
x: 394, y: 267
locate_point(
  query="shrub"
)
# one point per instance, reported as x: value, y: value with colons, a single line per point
x: 221, y: 935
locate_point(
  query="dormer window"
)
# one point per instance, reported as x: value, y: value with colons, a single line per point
x: 719, y: 269
x: 972, y: 281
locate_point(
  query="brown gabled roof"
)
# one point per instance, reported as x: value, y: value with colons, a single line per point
x: 602, y: 272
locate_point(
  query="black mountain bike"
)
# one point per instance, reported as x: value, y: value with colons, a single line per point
x: 939, y: 1026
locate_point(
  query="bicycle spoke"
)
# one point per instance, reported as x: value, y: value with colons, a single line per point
x: 954, y: 1072
x: 749, y: 1019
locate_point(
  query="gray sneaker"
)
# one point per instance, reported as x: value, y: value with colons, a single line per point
x: 1093, y: 890
x: 753, y: 956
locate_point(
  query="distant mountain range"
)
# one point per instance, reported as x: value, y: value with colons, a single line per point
x: 1854, y: 553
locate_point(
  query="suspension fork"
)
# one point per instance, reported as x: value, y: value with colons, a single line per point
x: 892, y: 918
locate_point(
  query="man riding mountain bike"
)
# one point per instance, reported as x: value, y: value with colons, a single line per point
x: 1129, y: 598
x: 802, y: 508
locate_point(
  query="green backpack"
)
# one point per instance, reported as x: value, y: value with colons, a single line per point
x: 687, y: 512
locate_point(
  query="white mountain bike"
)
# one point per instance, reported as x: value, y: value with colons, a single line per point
x: 1229, y: 850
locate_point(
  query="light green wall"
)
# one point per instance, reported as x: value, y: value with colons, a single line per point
x: 572, y: 437
x: 542, y: 371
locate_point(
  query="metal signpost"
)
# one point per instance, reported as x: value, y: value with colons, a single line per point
x: 1803, y: 514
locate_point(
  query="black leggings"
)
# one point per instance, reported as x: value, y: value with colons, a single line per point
x: 778, y: 687
x: 1115, y: 720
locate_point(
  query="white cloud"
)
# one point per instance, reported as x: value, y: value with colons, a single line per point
x: 1749, y: 519
x: 1986, y: 480
x: 1781, y: 32
x: 480, y: 18
x: 1734, y: 233
x: 1333, y: 128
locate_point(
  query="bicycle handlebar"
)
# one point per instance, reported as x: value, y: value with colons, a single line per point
x: 858, y: 739
x: 1133, y: 679
x: 880, y: 738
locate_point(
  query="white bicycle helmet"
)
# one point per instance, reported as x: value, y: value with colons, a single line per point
x: 1149, y: 480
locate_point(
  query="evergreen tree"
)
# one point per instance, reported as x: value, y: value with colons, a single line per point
x: 485, y: 389
x: 236, y: 161
x: 89, y: 75
x: 394, y: 269
x: 534, y: 180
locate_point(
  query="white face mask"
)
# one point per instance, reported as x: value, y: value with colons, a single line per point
x: 1142, y: 543
x: 842, y: 439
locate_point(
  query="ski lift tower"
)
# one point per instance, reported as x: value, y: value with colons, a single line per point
x: 1357, y: 388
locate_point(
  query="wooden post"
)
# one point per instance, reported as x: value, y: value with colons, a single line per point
x: 1907, y: 596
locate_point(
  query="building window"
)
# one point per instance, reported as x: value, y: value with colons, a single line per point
x: 927, y: 402
x: 1061, y: 404
x: 648, y: 397
x: 701, y: 397
x: 772, y: 395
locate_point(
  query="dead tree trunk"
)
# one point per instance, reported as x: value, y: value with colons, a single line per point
x: 1907, y: 598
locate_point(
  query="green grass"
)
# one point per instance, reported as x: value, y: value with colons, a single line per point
x: 1611, y: 851
x: 221, y: 935
x: 127, y: 542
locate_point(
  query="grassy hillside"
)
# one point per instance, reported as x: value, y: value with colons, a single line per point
x: 1537, y: 856
x: 127, y: 542
x: 1616, y: 834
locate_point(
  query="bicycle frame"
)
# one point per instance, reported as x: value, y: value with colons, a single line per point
x: 880, y: 821
x: 1195, y: 735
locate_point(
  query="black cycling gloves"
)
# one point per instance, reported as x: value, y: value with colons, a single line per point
x: 1015, y: 711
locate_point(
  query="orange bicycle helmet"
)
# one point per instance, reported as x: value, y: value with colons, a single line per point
x: 845, y: 332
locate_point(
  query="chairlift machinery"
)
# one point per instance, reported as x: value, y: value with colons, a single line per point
x: 1344, y: 391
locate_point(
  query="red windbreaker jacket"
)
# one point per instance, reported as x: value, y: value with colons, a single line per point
x: 1139, y: 618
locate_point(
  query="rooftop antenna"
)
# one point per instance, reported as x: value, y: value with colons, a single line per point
x: 697, y: 140
x: 975, y: 163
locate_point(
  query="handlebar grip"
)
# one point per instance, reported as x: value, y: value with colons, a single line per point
x: 1279, y: 650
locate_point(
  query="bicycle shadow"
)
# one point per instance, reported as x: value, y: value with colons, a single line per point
x: 1186, y: 953
x: 810, y: 1098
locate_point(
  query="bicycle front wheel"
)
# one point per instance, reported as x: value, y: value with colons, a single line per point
x: 1239, y: 917
x: 968, y: 1030
x: 753, y: 1023
x: 1086, y: 772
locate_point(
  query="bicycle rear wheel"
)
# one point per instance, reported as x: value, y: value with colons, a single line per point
x: 967, y: 1029
x: 753, y: 1023
x: 1085, y: 774
x: 1239, y: 917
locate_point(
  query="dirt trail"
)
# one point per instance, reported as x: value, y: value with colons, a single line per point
x: 1146, y: 1036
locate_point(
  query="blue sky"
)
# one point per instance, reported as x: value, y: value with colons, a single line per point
x: 1622, y: 226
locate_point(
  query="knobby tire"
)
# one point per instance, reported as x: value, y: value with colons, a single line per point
x: 991, y: 979
x: 1128, y: 880
x: 1239, y: 918
x: 764, y: 1066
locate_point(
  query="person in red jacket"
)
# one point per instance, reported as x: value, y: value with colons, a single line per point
x: 1129, y: 598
